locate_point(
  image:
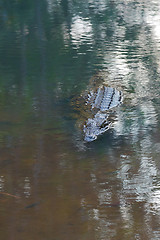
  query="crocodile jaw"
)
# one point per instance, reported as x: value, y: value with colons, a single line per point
x: 95, y: 126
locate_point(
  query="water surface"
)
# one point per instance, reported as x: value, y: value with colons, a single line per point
x: 52, y: 185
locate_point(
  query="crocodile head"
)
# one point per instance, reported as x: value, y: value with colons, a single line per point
x: 95, y: 126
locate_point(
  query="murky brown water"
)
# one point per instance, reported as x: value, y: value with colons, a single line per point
x: 53, y: 186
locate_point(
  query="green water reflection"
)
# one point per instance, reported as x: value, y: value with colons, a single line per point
x: 52, y: 185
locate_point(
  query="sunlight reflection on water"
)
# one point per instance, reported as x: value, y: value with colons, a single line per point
x: 81, y: 31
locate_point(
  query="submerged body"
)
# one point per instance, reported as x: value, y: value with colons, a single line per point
x: 100, y: 102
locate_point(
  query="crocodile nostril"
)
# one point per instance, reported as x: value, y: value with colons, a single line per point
x: 89, y: 138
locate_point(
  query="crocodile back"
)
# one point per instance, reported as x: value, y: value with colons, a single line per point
x: 104, y: 98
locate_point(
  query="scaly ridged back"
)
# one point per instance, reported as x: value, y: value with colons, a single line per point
x: 104, y: 98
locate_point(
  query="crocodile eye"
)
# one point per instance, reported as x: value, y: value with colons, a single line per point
x: 104, y: 124
x: 89, y: 125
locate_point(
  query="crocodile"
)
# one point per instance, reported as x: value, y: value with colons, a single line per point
x: 95, y: 110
